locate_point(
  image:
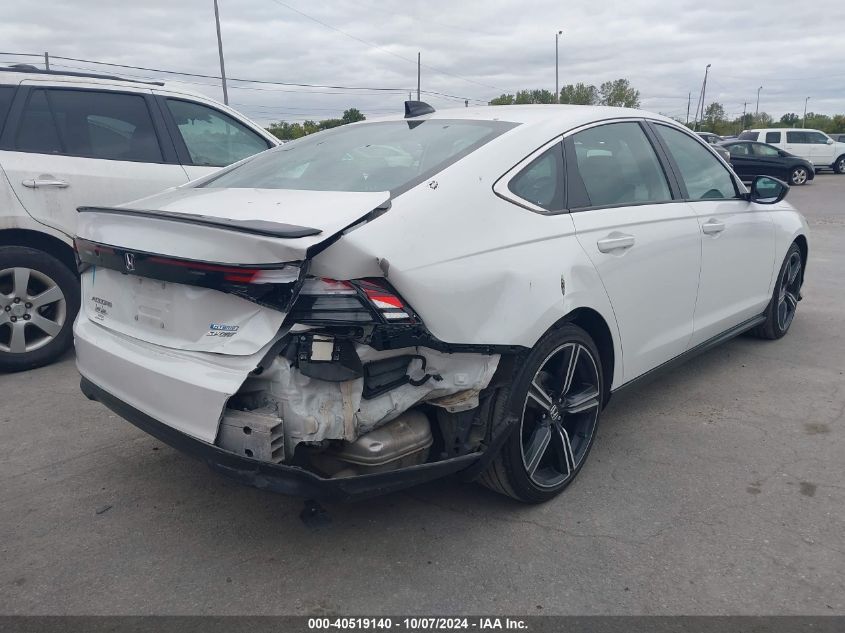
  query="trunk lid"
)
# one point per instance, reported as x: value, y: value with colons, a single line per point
x: 208, y: 270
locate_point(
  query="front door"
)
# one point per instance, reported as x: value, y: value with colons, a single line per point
x: 738, y: 238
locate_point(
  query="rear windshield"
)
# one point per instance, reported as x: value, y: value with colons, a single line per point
x: 387, y: 156
x: 749, y: 136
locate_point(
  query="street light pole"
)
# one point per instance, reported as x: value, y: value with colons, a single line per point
x: 557, y: 66
x: 804, y: 124
x: 757, y: 108
x: 220, y: 50
x: 700, y: 106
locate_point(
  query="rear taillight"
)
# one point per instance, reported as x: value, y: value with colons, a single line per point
x: 358, y: 301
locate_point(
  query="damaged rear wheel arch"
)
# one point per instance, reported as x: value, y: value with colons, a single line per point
x: 595, y: 325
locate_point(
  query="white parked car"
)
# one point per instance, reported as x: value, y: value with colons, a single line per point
x: 68, y: 139
x: 314, y: 322
x: 812, y: 145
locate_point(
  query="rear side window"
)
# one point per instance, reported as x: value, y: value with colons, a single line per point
x: 797, y: 137
x: 765, y: 150
x: 749, y: 136
x: 540, y: 182
x: 213, y: 138
x: 773, y: 137
x: 6, y: 94
x: 91, y: 124
x: 704, y: 175
x: 618, y: 165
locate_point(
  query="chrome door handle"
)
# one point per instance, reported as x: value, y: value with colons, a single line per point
x: 615, y: 241
x: 34, y: 183
x: 713, y: 227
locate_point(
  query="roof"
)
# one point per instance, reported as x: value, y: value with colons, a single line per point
x: 32, y: 70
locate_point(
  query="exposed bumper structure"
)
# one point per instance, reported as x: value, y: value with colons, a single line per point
x: 292, y: 480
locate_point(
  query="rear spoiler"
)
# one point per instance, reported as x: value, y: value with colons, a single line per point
x: 255, y: 227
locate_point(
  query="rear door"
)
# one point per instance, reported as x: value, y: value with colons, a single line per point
x: 207, y: 138
x: 643, y: 241
x: 738, y: 238
x: 67, y: 147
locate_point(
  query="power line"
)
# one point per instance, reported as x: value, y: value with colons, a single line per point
x: 382, y: 49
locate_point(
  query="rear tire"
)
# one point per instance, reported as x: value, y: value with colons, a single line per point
x: 39, y: 299
x: 799, y: 176
x: 787, y: 293
x: 557, y: 396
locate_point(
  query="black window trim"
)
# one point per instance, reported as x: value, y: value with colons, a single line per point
x: 575, y: 185
x: 738, y: 189
x: 181, y: 147
x: 4, y: 112
x: 15, y: 115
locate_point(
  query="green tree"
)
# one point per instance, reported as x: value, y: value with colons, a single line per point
x: 619, y: 93
x: 534, y: 96
x: 503, y: 99
x: 790, y: 119
x: 579, y: 94
x: 714, y: 116
x: 352, y: 115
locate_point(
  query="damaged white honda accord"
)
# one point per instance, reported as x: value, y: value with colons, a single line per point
x: 452, y: 292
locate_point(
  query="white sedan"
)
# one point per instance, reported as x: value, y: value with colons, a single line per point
x: 325, y: 321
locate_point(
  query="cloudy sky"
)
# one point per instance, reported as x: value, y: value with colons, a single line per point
x: 470, y: 49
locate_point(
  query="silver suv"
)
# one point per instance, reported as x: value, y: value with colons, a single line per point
x: 74, y: 139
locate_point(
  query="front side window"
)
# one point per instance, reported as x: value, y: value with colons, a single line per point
x: 773, y: 137
x: 387, y: 156
x: 540, y: 182
x: 213, y: 139
x: 765, y: 150
x: 618, y: 165
x: 88, y: 123
x: 817, y: 138
x: 704, y: 175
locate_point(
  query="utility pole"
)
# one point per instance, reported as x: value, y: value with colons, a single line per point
x: 757, y: 107
x: 557, y: 65
x: 466, y: 103
x: 418, y: 76
x: 742, y: 122
x: 689, y: 103
x: 220, y: 50
x: 46, y: 60
x: 804, y: 124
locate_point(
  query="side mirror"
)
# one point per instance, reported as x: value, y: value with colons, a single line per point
x: 767, y: 190
x: 829, y: 141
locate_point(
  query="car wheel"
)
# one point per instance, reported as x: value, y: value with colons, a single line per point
x: 839, y: 165
x: 39, y: 298
x: 781, y: 309
x: 798, y: 176
x: 557, y: 396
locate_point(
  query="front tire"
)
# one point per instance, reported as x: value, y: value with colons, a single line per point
x: 781, y: 309
x: 799, y: 176
x: 39, y: 299
x: 839, y: 165
x: 557, y: 396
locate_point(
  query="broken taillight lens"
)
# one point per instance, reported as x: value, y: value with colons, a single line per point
x: 358, y: 301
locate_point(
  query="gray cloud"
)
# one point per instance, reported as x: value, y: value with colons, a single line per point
x: 473, y: 50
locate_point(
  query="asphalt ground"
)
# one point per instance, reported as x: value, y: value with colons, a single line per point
x: 717, y: 489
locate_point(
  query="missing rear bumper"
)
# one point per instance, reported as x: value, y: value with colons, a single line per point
x: 291, y: 480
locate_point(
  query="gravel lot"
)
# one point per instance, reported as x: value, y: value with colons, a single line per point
x: 718, y: 489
